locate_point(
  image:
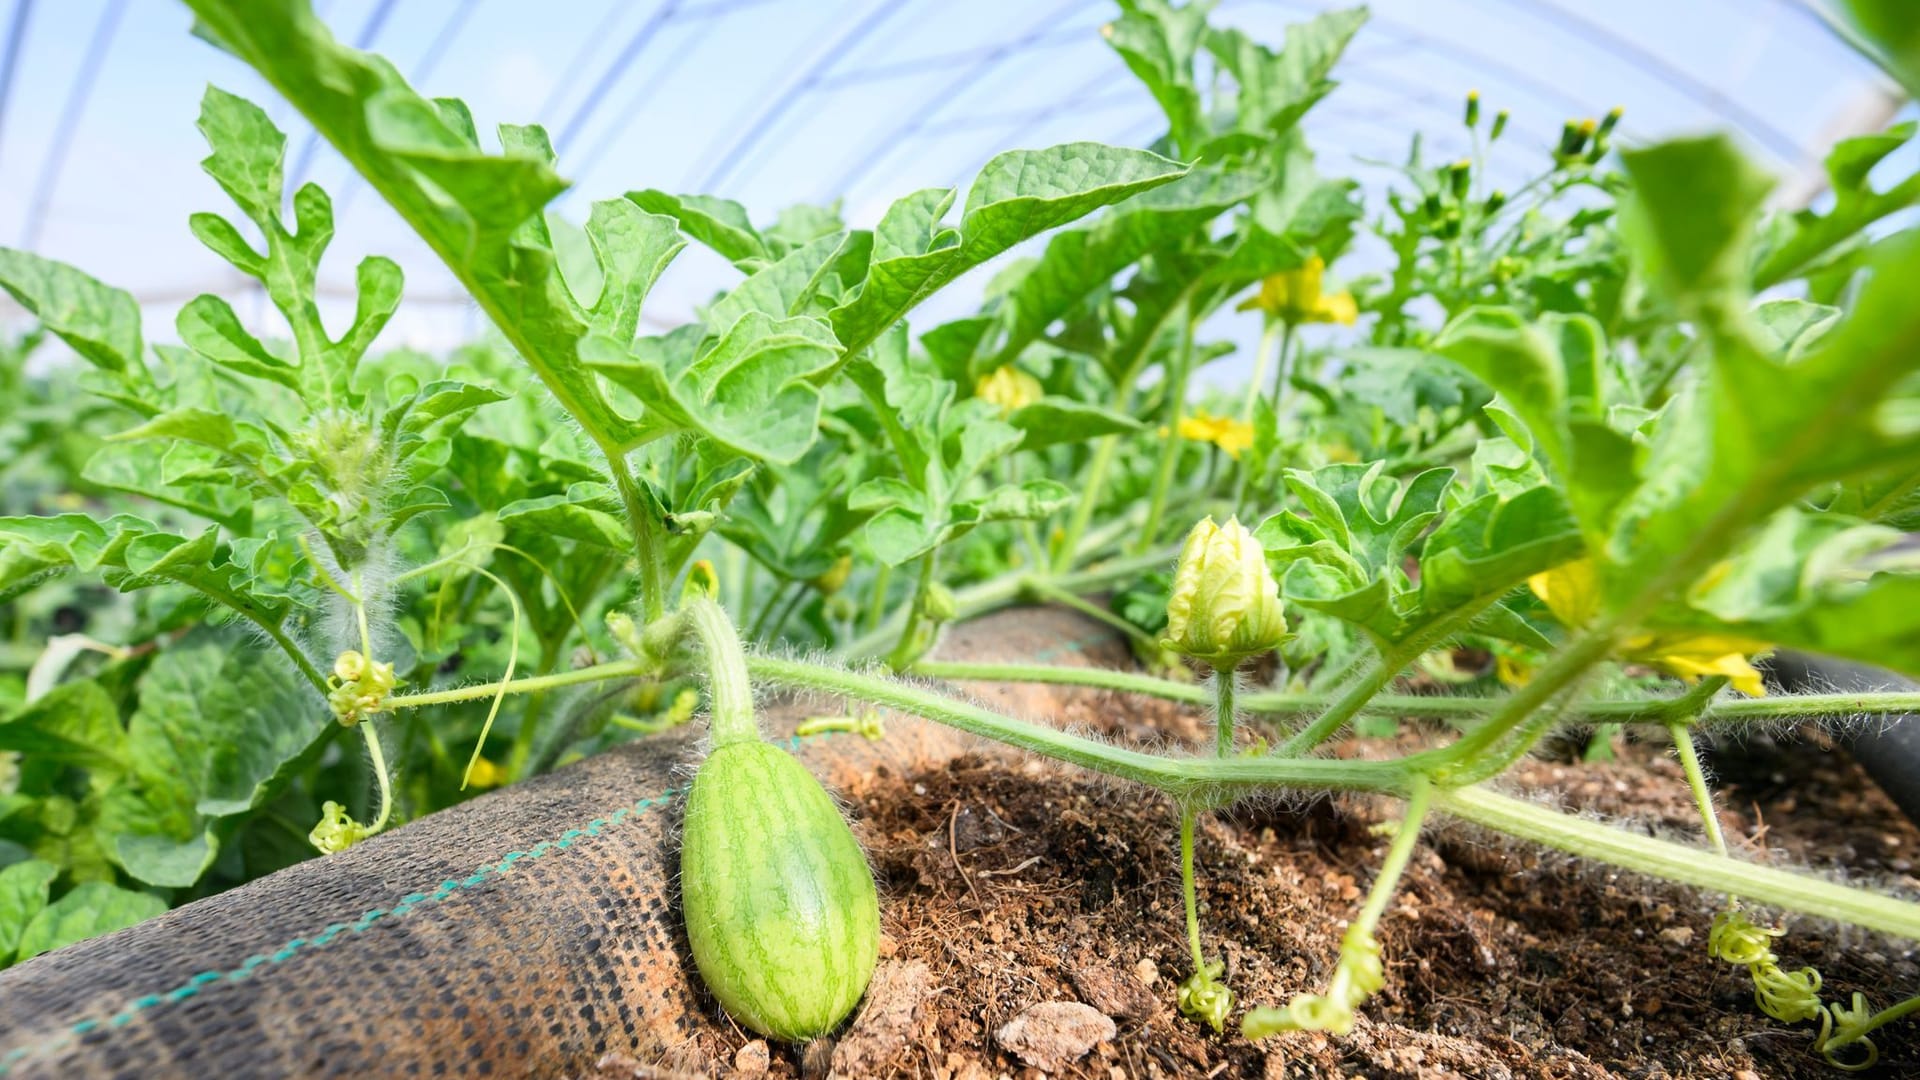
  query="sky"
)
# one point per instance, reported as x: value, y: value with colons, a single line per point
x: 773, y: 102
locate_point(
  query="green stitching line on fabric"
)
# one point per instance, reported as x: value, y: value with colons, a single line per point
x: 367, y: 919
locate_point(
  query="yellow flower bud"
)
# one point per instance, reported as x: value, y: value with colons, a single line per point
x: 349, y: 666
x: 1225, y: 604
x: 1294, y: 296
x: 938, y: 603
x: 1009, y: 388
x: 835, y: 576
x: 1233, y: 436
x: 1291, y: 295
x: 336, y: 830
x: 1337, y: 308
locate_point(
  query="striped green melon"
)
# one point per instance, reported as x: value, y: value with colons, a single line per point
x: 780, y: 906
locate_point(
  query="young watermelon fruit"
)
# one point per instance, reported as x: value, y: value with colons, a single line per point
x: 780, y: 905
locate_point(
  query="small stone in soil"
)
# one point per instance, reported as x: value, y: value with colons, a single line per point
x: 752, y: 1059
x: 885, y: 1023
x: 1053, y: 1033
x: 1119, y: 996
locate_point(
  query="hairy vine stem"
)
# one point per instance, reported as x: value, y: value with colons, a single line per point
x: 1648, y: 710
x: 1200, y: 781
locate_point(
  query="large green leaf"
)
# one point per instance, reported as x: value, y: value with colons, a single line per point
x: 218, y: 725
x: 75, y: 722
x: 1754, y: 434
x: 1808, y: 234
x: 479, y: 212
x: 721, y: 224
x: 1494, y: 543
x: 1019, y: 194
x: 24, y: 887
x: 246, y: 161
x: 131, y: 554
x: 1275, y: 89
x: 1690, y: 216
x: 88, y: 910
x: 1079, y: 261
x: 1810, y: 581
x: 1054, y: 420
x: 751, y: 391
x: 1890, y: 36
x: 588, y: 513
x: 97, y: 321
x: 1159, y: 42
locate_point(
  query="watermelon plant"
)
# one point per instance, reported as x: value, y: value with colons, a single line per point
x: 1622, y: 430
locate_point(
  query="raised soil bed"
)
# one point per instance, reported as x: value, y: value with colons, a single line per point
x: 533, y: 931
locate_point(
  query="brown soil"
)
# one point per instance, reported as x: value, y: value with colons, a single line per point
x: 1009, y: 886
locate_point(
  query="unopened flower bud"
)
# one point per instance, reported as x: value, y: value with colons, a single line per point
x: 1495, y: 201
x: 1225, y: 605
x: 1573, y: 139
x: 938, y: 603
x: 1499, y: 125
x: 835, y: 576
x: 1459, y: 176
x: 349, y: 666
x: 1009, y: 388
x: 1473, y: 108
x: 1610, y: 121
x: 702, y: 580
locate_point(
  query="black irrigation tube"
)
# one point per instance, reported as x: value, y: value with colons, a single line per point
x: 1889, y: 749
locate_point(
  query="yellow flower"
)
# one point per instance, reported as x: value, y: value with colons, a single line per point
x: 1009, y: 388
x: 1572, y: 593
x: 1294, y: 296
x: 1225, y: 604
x: 1513, y: 671
x: 486, y: 774
x: 1233, y: 436
x: 1337, y: 308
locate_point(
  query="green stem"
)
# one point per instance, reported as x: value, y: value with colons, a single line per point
x: 1223, y: 713
x: 613, y: 669
x: 1399, y: 854
x: 1651, y: 710
x: 1684, y: 863
x: 1201, y: 781
x: 1089, y: 498
x: 1392, y: 662
x: 649, y: 547
x: 1045, y: 590
x: 1187, y: 815
x: 996, y: 593
x: 379, y: 762
x: 1280, y: 373
x: 1682, y: 733
x: 1269, y: 334
x: 877, y: 603
x: 729, y: 693
x: 1198, y: 781
x: 786, y: 612
x: 1169, y: 449
x: 908, y: 646
x: 1566, y: 666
